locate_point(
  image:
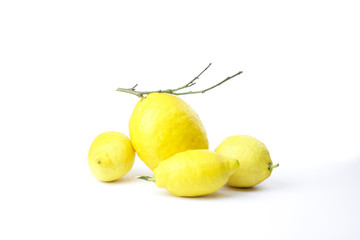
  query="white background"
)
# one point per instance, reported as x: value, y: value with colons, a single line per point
x: 61, y: 61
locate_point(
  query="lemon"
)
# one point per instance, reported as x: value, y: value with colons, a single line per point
x: 254, y: 159
x: 162, y: 125
x: 193, y: 173
x: 110, y: 156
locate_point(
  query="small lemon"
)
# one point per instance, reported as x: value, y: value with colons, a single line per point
x: 111, y: 156
x: 254, y: 159
x: 193, y: 173
x: 162, y: 125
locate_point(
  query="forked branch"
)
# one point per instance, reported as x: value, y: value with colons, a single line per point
x: 175, y: 90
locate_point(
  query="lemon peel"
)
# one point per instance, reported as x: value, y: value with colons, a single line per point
x: 111, y: 156
x: 254, y: 158
x: 193, y: 173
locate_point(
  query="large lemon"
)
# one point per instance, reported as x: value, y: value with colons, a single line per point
x: 163, y: 125
x: 253, y: 156
x: 110, y: 156
x: 194, y: 173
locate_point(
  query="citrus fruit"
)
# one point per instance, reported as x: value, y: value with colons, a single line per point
x: 162, y: 125
x: 193, y: 173
x: 111, y: 156
x: 254, y: 159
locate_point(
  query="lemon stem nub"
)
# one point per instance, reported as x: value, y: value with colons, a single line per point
x: 271, y: 166
x: 147, y: 178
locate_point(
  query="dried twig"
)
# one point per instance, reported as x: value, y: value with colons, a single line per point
x: 175, y: 90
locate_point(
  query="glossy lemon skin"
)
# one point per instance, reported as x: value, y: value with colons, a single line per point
x: 253, y: 156
x: 162, y: 125
x: 111, y: 156
x: 194, y: 172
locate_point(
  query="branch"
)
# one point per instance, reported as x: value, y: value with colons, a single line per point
x: 175, y: 90
x: 207, y: 89
x: 192, y: 82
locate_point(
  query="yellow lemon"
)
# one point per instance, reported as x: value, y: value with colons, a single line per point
x: 110, y: 156
x: 193, y: 173
x: 163, y: 125
x: 254, y: 159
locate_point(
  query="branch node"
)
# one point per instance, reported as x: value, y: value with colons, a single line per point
x: 133, y: 88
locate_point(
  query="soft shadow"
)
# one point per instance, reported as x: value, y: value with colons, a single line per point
x: 131, y: 176
x: 247, y: 189
x: 215, y: 195
x: 120, y: 181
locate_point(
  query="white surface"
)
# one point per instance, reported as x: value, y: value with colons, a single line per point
x: 61, y: 61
